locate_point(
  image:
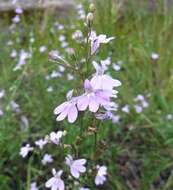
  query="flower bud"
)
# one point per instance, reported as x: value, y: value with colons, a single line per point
x: 90, y: 17
x: 64, y: 133
x: 92, y: 7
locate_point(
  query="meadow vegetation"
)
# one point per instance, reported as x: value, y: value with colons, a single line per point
x: 135, y: 143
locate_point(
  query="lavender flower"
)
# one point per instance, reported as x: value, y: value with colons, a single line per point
x: 101, y: 80
x: 47, y: 159
x: 55, y: 137
x: 97, y: 40
x: 25, y: 150
x: 55, y: 183
x: 84, y: 188
x: 101, y: 175
x: 76, y: 166
x: 41, y: 143
x: 33, y: 186
x: 93, y: 98
x: 18, y: 10
x: 16, y: 19
x: 67, y: 109
x: 22, y: 59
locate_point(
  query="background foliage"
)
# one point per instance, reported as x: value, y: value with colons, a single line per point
x: 140, y: 146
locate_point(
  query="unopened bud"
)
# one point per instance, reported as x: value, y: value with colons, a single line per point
x: 54, y: 55
x: 90, y: 17
x: 64, y: 133
x: 92, y: 7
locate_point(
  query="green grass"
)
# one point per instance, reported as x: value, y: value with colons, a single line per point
x: 140, y: 143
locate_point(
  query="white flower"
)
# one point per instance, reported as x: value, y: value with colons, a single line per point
x: 1, y: 112
x: 13, y: 54
x: 22, y: 59
x: 25, y: 150
x: 14, y: 106
x: 42, y: 49
x: 55, y: 74
x: 55, y: 183
x: 126, y: 109
x: 55, y: 137
x: 97, y: 40
x: 40, y: 143
x: 2, y: 93
x: 83, y: 188
x: 47, y: 159
x: 101, y: 175
x: 154, y: 56
x: 49, y: 89
x: 76, y: 166
x: 145, y: 104
x: 33, y: 186
x: 70, y: 76
x: 116, y: 67
x: 169, y: 117
x: 61, y: 68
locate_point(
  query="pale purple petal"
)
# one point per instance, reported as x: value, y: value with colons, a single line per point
x: 63, y: 114
x: 60, y: 108
x: 80, y: 161
x: 61, y: 185
x: 55, y: 186
x: 82, y: 103
x: 72, y: 113
x: 87, y: 85
x: 74, y: 172
x: 94, y: 46
x: 93, y: 104
x: 50, y: 182
x: 102, y: 38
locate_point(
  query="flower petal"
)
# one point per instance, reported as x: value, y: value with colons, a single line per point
x: 60, y: 108
x: 72, y: 114
x: 63, y: 114
x: 61, y: 185
x: 74, y: 172
x: 82, y: 103
x: 93, y: 104
x: 50, y: 182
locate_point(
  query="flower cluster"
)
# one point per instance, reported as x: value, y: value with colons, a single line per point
x: 97, y: 93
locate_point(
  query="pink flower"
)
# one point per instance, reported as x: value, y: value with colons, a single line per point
x: 93, y: 98
x: 67, y: 109
x: 101, y: 175
x: 97, y: 40
x: 55, y: 183
x: 76, y: 166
